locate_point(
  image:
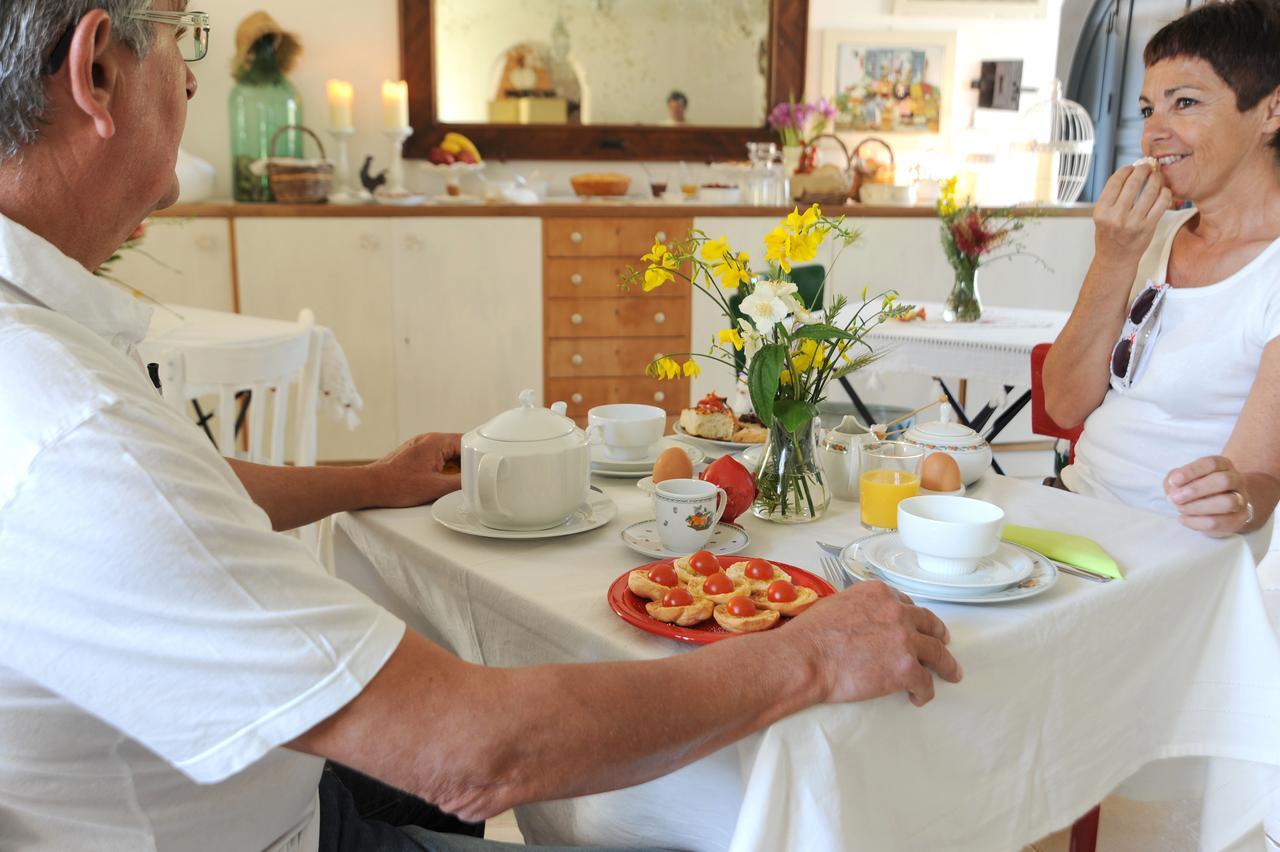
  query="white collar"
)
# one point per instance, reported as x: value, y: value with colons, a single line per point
x: 36, y: 267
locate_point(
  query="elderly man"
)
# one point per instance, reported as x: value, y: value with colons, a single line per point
x: 172, y: 671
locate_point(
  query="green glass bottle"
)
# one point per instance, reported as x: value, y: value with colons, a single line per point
x: 262, y: 102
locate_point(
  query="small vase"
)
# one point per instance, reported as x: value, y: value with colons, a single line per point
x: 790, y: 485
x: 964, y: 304
x: 261, y: 103
x: 791, y: 155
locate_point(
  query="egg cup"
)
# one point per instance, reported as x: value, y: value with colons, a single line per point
x: 740, y: 588
x: 683, y: 616
x: 805, y: 598
x: 638, y: 581
x: 762, y: 620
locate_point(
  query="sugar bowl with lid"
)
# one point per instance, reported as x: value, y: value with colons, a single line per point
x: 529, y: 468
x: 970, y: 450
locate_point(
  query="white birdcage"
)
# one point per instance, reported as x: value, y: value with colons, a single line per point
x: 1061, y: 134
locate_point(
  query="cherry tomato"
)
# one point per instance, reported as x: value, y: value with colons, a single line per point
x: 759, y: 569
x: 678, y: 596
x: 718, y: 584
x: 780, y: 591
x: 663, y: 575
x: 741, y: 607
x: 704, y: 563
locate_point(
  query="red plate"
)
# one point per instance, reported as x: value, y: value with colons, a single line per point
x: 630, y: 606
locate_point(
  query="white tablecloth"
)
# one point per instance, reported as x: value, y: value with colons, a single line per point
x: 179, y: 326
x: 997, y: 348
x: 1065, y: 695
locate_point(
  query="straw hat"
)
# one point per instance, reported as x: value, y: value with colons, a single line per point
x: 255, y: 27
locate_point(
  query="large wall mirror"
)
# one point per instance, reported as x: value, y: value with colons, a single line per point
x: 601, y: 79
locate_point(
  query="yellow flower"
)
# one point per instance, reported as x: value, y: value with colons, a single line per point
x: 733, y: 273
x: 691, y: 369
x: 777, y: 245
x: 785, y: 377
x: 810, y: 354
x: 664, y: 368
x: 657, y: 254
x: 655, y: 277
x: 805, y: 246
x: 801, y: 222
x: 715, y: 250
x: 947, y: 204
x: 731, y: 335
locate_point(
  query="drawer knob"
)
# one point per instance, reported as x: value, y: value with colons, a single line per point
x: 659, y: 397
x: 659, y: 317
x: 577, y: 399
x: 576, y: 279
x: 576, y: 319
x: 575, y: 237
x: 661, y: 236
x: 576, y: 360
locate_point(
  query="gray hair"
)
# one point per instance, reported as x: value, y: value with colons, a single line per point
x: 28, y: 31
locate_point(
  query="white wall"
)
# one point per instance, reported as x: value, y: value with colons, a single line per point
x: 359, y: 42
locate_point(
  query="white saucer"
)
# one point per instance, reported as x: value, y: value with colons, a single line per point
x: 643, y: 538
x: 406, y: 200
x: 895, y: 561
x: 452, y: 511
x: 1042, y: 578
x: 602, y: 464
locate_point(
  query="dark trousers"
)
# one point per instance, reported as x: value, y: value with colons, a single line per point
x: 358, y: 813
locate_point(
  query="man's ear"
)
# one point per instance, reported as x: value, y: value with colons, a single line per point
x: 93, y: 70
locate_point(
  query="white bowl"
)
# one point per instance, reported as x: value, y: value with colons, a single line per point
x: 728, y: 195
x: 949, y: 535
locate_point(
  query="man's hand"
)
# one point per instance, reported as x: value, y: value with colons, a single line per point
x: 1210, y: 495
x: 414, y: 473
x: 873, y: 641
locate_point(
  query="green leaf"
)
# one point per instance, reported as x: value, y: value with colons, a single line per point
x: 793, y: 414
x: 763, y: 377
x: 823, y: 331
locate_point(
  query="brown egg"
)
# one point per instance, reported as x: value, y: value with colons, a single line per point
x: 672, y: 463
x: 939, y: 472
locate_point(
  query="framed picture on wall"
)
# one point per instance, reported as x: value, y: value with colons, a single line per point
x: 889, y: 81
x: 972, y: 8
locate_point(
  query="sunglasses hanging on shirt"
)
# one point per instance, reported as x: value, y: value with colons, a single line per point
x: 1140, y: 327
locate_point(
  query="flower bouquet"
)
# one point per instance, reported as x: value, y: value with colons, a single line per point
x: 793, y: 349
x: 797, y: 125
x: 971, y: 238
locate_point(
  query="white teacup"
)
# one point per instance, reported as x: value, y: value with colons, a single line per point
x: 627, y: 430
x: 687, y: 511
x: 950, y: 535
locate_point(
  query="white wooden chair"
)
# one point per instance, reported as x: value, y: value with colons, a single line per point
x: 272, y: 372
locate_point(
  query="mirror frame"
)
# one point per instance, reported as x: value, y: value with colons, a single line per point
x: 788, y: 36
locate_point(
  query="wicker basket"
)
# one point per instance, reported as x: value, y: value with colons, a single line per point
x: 299, y: 181
x: 864, y: 173
x: 817, y: 188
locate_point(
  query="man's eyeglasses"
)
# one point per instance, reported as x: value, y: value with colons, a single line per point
x: 192, y: 35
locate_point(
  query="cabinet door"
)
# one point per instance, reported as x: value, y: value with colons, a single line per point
x: 186, y: 262
x: 341, y: 270
x: 468, y: 319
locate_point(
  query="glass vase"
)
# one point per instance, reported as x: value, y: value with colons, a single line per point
x: 261, y: 103
x: 964, y: 304
x: 790, y: 485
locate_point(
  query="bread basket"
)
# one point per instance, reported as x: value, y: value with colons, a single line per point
x: 863, y: 170
x: 295, y: 181
x: 826, y: 185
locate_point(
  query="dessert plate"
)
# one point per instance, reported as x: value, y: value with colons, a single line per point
x: 895, y: 561
x: 1042, y: 578
x: 710, y: 444
x: 452, y: 511
x: 643, y: 538
x: 630, y: 607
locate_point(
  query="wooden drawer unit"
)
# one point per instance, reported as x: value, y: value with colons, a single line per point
x: 644, y: 316
x: 586, y: 278
x: 605, y: 357
x: 610, y: 237
x: 584, y: 394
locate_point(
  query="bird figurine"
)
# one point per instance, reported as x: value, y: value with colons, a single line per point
x: 370, y: 181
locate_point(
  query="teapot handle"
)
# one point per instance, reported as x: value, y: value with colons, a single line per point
x: 487, y: 485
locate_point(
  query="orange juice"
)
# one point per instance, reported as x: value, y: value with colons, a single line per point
x: 881, y: 491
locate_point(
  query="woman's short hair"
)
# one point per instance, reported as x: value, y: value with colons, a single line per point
x: 1239, y: 38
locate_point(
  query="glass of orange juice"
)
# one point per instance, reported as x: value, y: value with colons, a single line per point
x: 890, y: 474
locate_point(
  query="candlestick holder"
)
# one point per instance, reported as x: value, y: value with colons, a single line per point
x: 395, y: 188
x: 348, y: 192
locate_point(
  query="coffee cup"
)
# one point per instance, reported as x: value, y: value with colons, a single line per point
x: 626, y: 430
x: 687, y: 511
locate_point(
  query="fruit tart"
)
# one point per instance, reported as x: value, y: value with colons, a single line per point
x: 785, y: 598
x: 677, y: 606
x: 740, y: 615
x: 757, y: 573
x: 653, y: 583
x: 718, y: 588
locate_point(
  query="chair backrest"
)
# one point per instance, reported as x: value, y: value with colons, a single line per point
x: 268, y: 371
x: 1041, y: 422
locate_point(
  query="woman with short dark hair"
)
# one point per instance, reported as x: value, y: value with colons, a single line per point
x: 1170, y: 357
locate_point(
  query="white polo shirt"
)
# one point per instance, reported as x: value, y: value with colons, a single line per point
x: 158, y: 642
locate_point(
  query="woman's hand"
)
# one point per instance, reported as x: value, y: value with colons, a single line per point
x: 1210, y: 495
x: 1128, y: 211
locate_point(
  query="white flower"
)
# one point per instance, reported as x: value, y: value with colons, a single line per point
x: 767, y: 305
x: 751, y: 339
x: 803, y: 316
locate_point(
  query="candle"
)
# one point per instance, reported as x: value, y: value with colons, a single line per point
x: 340, y: 97
x: 395, y: 104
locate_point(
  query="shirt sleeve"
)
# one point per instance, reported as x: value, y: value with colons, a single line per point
x: 139, y: 582
x: 1270, y: 289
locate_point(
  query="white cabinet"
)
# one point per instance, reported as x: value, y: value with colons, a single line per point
x: 341, y: 270
x: 183, y: 262
x: 468, y: 319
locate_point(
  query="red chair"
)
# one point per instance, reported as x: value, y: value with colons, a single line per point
x: 1041, y: 422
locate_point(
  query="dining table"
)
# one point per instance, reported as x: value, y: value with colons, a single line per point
x: 1163, y: 684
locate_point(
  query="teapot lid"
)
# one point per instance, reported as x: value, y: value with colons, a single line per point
x: 527, y: 423
x: 944, y: 433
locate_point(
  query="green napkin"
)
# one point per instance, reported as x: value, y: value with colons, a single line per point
x: 1070, y: 549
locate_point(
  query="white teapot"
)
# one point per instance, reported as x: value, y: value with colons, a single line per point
x: 526, y: 469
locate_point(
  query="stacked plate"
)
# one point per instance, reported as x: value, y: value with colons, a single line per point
x: 603, y: 465
x: 1011, y: 573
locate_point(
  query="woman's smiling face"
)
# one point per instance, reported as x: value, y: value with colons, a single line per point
x: 1192, y: 126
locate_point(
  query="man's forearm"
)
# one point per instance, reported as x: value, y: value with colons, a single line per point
x: 296, y: 496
